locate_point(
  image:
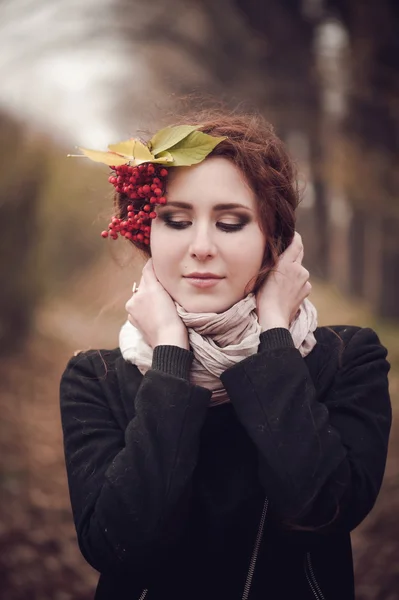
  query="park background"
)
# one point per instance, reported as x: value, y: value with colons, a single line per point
x: 324, y: 72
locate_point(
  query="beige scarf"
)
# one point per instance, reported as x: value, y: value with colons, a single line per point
x: 219, y: 341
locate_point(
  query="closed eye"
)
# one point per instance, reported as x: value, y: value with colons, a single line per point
x: 226, y: 227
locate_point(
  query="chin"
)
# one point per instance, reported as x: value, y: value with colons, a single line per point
x: 205, y: 304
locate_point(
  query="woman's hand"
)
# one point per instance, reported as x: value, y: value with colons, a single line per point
x: 152, y: 310
x: 280, y: 297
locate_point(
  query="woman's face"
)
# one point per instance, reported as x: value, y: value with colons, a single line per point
x: 208, y: 226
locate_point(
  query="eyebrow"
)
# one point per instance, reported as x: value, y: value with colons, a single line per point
x: 225, y: 206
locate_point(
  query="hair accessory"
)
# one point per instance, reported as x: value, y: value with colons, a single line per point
x: 139, y: 174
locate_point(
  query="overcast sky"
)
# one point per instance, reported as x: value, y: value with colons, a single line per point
x: 55, y: 72
x: 65, y: 67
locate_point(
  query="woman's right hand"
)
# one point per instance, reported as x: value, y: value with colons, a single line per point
x: 152, y: 310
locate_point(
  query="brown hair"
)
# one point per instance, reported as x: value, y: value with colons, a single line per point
x: 253, y: 146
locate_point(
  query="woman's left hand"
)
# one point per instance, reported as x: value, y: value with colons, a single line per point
x: 285, y: 288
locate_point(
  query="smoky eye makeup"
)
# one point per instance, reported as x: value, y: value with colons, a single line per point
x: 178, y: 221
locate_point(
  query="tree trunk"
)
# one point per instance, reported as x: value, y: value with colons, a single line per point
x: 370, y: 132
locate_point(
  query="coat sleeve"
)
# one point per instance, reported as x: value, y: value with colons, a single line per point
x: 125, y: 485
x: 321, y: 463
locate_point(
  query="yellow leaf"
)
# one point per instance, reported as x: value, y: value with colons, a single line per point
x: 108, y: 158
x: 141, y: 153
x: 168, y: 137
x: 194, y: 148
x: 133, y: 150
x: 124, y: 148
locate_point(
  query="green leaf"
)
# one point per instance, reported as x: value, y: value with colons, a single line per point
x: 163, y: 158
x: 189, y: 148
x: 193, y: 148
x: 109, y: 158
x: 168, y: 137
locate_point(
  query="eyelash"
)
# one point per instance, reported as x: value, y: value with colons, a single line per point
x: 226, y: 227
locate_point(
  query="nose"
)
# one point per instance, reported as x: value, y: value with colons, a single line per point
x: 202, y: 245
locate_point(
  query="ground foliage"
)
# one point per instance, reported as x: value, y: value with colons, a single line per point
x: 39, y: 556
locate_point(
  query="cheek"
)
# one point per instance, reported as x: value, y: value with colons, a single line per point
x: 168, y: 242
x: 246, y: 254
x: 157, y: 252
x: 165, y: 254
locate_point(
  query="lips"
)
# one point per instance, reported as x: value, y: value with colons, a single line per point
x: 203, y: 276
x: 203, y: 282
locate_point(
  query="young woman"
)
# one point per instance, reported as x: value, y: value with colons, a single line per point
x: 228, y: 448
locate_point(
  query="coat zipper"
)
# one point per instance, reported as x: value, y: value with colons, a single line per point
x: 255, y: 552
x: 310, y: 576
x: 254, y: 556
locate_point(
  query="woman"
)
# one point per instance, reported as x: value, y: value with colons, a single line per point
x: 229, y: 446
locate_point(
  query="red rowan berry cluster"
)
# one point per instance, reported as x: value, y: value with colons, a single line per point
x: 145, y: 186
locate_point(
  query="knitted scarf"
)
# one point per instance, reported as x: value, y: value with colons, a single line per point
x: 219, y: 341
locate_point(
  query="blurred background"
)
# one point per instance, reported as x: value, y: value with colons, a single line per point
x: 324, y: 72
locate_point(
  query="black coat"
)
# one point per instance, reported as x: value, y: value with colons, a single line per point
x: 167, y: 493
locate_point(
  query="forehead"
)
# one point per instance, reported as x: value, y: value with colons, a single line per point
x: 215, y: 180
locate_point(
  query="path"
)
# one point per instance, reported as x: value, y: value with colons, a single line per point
x: 39, y: 559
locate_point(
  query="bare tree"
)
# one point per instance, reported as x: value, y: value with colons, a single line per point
x: 370, y: 142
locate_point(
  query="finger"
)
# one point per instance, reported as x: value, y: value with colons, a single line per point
x: 148, y: 269
x: 299, y: 258
x: 129, y: 304
x: 145, y: 269
x: 149, y: 276
x: 146, y: 272
x: 308, y: 288
x: 298, y: 237
x: 291, y: 253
